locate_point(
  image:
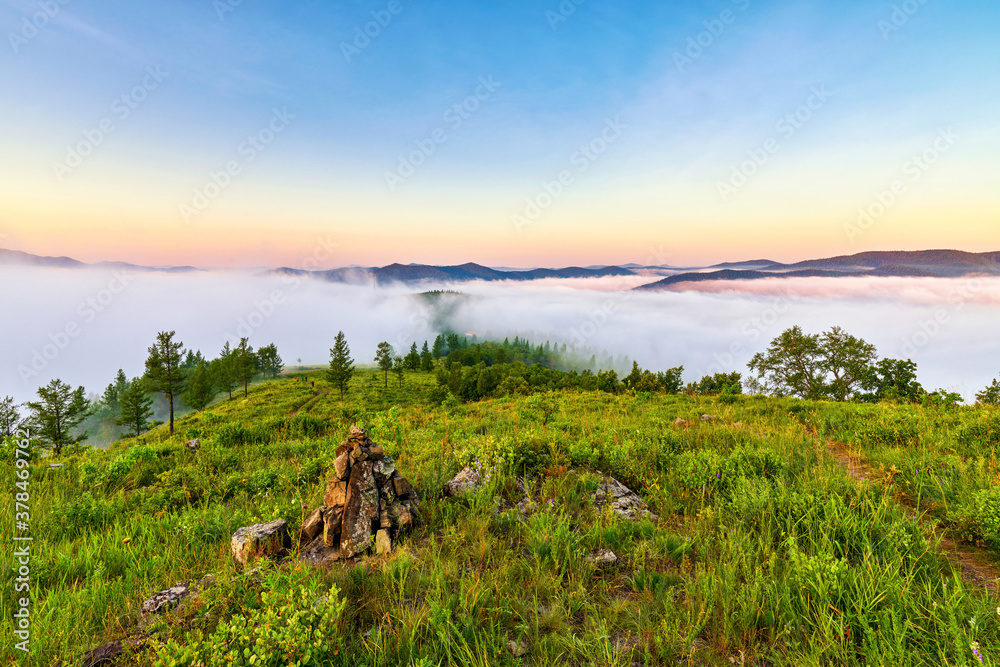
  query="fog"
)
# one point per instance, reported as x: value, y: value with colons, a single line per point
x: 81, y: 325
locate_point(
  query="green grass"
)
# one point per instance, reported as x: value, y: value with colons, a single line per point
x: 765, y: 551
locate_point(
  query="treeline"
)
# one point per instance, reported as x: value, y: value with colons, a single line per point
x: 183, y: 377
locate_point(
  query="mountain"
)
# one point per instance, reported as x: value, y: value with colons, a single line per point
x: 948, y: 263
x: 18, y: 258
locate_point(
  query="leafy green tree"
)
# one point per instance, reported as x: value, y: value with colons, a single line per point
x: 270, y: 361
x: 10, y: 418
x: 894, y: 380
x: 608, y: 381
x: 990, y: 395
x: 719, y: 383
x: 222, y: 371
x: 848, y: 359
x: 199, y: 391
x: 426, y: 358
x: 137, y: 406
x: 60, y: 410
x: 246, y: 365
x: 341, y: 364
x: 412, y: 360
x: 398, y: 367
x: 792, y: 365
x: 163, y: 370
x: 383, y: 357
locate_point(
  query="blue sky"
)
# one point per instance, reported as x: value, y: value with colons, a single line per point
x: 892, y: 87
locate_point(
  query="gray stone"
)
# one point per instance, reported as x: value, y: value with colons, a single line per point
x: 603, y: 557
x: 383, y: 544
x: 165, y: 599
x: 193, y: 445
x: 265, y: 539
x: 518, y: 648
x: 360, y: 510
x: 466, y: 481
x: 622, y: 500
x: 680, y: 422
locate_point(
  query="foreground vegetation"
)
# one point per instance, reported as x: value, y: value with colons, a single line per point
x: 765, y: 550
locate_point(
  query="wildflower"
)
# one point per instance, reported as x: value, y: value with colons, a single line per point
x: 975, y: 650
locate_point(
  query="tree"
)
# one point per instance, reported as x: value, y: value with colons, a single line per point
x: 270, y: 362
x: 792, y: 365
x: 426, y: 358
x: 221, y: 370
x: 10, y: 418
x: 59, y: 411
x: 894, y: 380
x: 848, y: 359
x: 163, y: 370
x: 341, y: 365
x: 245, y: 365
x: 383, y: 357
x: 990, y: 395
x: 112, y: 394
x: 191, y: 360
x: 199, y: 391
x: 398, y: 366
x: 439, y: 346
x: 412, y: 360
x: 137, y: 406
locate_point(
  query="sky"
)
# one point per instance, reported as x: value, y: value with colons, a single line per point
x: 238, y: 133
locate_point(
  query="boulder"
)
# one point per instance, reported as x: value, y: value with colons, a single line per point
x: 336, y: 493
x: 466, y: 481
x: 622, y: 500
x: 360, y: 509
x: 264, y: 539
x: 163, y: 600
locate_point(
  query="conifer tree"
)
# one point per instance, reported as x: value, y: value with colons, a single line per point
x: 341, y: 365
x: 163, y: 370
x: 136, y: 407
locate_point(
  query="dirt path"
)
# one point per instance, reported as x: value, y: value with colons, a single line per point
x: 973, y: 564
x: 310, y: 401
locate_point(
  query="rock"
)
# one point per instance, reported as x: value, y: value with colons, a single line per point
x: 402, y: 487
x: 166, y: 599
x: 342, y: 464
x: 518, y: 648
x: 467, y: 481
x: 55, y: 466
x: 265, y: 539
x: 603, y: 557
x: 708, y: 418
x: 680, y: 422
x: 375, y: 453
x: 193, y: 445
x: 383, y: 544
x: 318, y: 554
x: 622, y: 500
x: 360, y: 510
x: 312, y: 526
x: 333, y: 518
x: 336, y: 493
x: 383, y: 469
x: 357, y: 433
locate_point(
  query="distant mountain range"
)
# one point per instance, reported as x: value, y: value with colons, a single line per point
x: 922, y: 263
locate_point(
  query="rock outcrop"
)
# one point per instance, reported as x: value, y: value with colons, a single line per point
x: 264, y: 539
x: 622, y: 500
x: 367, y: 503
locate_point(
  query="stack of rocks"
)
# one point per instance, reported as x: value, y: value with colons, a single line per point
x: 367, y: 497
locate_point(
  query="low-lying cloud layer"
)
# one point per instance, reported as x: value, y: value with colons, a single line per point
x: 82, y: 325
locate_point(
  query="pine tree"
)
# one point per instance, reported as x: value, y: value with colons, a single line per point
x: 199, y: 391
x: 341, y: 365
x: 163, y: 369
x: 270, y: 361
x: 10, y: 418
x: 398, y: 366
x: 222, y: 370
x: 246, y: 365
x: 426, y: 358
x: 383, y: 357
x: 439, y: 346
x: 112, y: 394
x: 137, y: 406
x: 412, y: 361
x: 58, y: 412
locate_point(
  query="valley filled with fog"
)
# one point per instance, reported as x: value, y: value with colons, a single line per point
x: 82, y: 325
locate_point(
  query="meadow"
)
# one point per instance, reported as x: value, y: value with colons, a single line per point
x: 766, y: 551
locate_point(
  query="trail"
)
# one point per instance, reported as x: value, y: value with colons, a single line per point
x: 309, y: 402
x: 973, y: 564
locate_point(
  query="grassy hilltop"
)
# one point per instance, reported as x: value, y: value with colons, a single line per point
x: 769, y: 548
